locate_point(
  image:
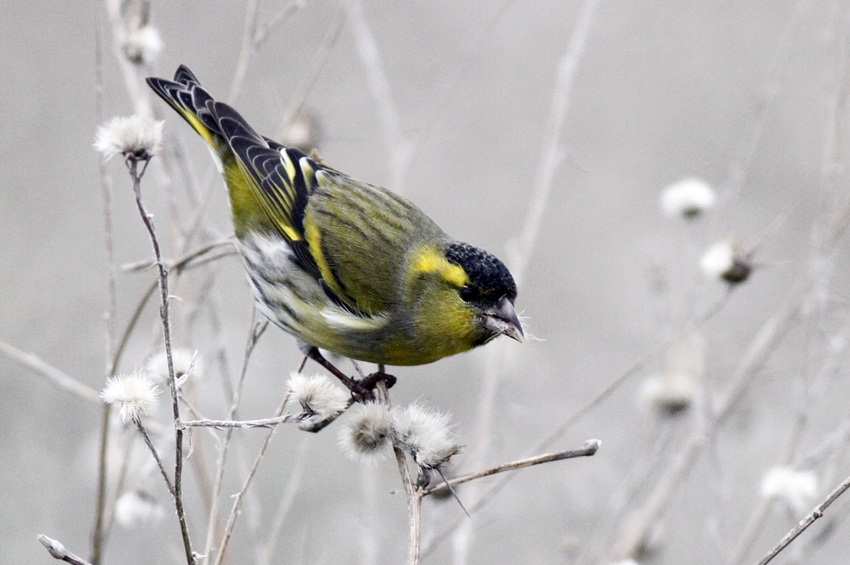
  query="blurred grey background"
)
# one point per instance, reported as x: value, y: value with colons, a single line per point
x: 662, y: 91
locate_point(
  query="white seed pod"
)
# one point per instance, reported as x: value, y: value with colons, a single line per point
x: 137, y: 508
x: 318, y: 395
x: 724, y: 260
x: 187, y: 363
x: 689, y: 198
x: 136, y: 393
x: 797, y: 489
x: 365, y: 435
x: 132, y: 136
x: 425, y: 434
x: 675, y: 388
x: 142, y: 45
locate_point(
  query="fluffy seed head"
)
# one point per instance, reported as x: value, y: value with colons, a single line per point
x: 142, y: 45
x: 723, y: 260
x: 186, y: 362
x: 366, y: 433
x: 675, y: 388
x: 425, y: 434
x: 689, y: 198
x: 317, y: 394
x: 668, y: 395
x: 132, y: 136
x: 136, y: 393
x: 798, y: 489
x: 137, y: 508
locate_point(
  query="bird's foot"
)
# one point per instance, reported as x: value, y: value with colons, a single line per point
x: 363, y: 390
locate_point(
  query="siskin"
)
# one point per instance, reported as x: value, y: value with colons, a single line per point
x: 340, y: 264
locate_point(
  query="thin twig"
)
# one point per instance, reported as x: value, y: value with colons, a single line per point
x: 273, y: 22
x: 399, y: 149
x: 411, y: 488
x: 124, y: 458
x: 552, y: 153
x: 239, y: 497
x: 320, y: 60
x: 244, y: 424
x: 246, y: 50
x: 98, y: 531
x: 520, y: 249
x: 136, y: 89
x: 287, y: 499
x: 49, y: 372
x: 806, y: 522
x: 156, y: 456
x: 58, y: 551
x: 589, y: 449
x: 136, y: 175
x: 255, y: 332
x: 187, y: 259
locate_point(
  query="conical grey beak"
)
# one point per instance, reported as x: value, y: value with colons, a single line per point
x: 502, y: 319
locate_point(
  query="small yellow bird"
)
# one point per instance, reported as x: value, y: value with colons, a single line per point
x: 340, y: 264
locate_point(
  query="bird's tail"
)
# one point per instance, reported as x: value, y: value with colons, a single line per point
x: 186, y: 95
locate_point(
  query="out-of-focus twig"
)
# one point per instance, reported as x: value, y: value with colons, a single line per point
x: 240, y: 496
x: 521, y: 248
x: 256, y: 331
x: 399, y: 149
x: 806, y: 522
x: 49, y: 372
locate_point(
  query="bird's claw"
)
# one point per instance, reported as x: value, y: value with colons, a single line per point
x: 363, y: 390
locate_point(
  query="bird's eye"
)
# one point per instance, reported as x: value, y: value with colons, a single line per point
x: 468, y: 294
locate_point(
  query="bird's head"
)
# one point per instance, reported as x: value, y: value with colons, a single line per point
x: 463, y: 296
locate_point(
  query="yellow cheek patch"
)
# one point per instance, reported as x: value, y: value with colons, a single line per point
x: 429, y: 260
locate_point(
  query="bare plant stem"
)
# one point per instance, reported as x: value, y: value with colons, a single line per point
x: 245, y: 51
x: 287, y: 498
x: 320, y: 60
x: 520, y: 249
x: 156, y: 457
x: 589, y: 449
x: 58, y: 551
x: 253, y: 37
x: 136, y: 175
x: 239, y: 497
x: 255, y: 333
x: 49, y: 372
x: 124, y: 458
x: 399, y: 150
x: 806, y: 522
x: 277, y: 19
x: 244, y: 424
x: 98, y: 535
x: 413, y: 491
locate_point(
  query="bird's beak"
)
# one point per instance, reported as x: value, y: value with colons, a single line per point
x: 502, y: 319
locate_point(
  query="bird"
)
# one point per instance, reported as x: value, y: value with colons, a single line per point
x: 342, y: 265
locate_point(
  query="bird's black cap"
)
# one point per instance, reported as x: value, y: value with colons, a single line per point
x: 489, y: 277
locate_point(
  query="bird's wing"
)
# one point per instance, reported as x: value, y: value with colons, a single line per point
x: 351, y: 237
x: 281, y: 179
x: 360, y: 235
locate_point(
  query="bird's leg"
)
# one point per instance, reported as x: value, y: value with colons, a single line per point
x: 360, y: 389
